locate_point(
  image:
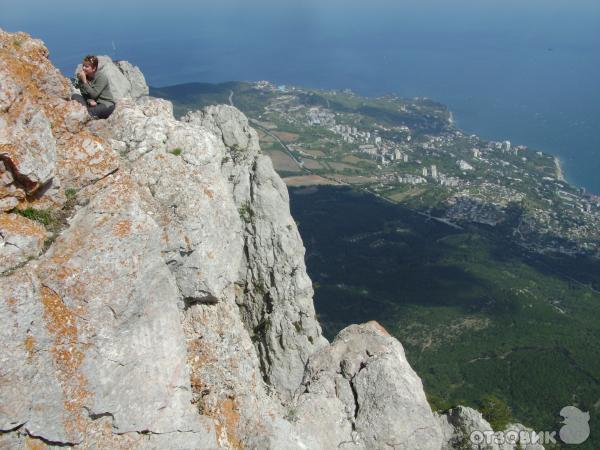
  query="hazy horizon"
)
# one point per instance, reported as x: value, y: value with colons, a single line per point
x: 524, y: 71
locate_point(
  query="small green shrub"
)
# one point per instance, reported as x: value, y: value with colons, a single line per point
x: 292, y: 414
x: 176, y: 151
x: 437, y: 403
x: 298, y: 326
x: 47, y: 217
x: 261, y: 330
x: 496, y: 411
x: 245, y: 211
x: 70, y: 193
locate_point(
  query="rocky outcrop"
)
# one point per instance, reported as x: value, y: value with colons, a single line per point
x: 126, y: 80
x: 41, y: 134
x: 168, y: 306
x: 20, y: 240
x: 273, y: 292
x: 361, y: 392
x: 465, y: 428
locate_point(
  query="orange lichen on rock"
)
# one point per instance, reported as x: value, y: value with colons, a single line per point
x: 34, y: 444
x: 10, y: 196
x: 61, y: 323
x: 33, y: 86
x: 198, y: 356
x: 120, y: 190
x: 11, y: 302
x: 225, y: 413
x: 83, y: 158
x: 16, y: 224
x: 28, y: 63
x: 122, y: 228
x: 227, y: 419
x: 30, y: 345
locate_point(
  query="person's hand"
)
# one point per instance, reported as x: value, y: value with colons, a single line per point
x: 81, y: 75
x: 92, y: 102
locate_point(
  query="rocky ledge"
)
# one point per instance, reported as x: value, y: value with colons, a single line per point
x: 153, y: 291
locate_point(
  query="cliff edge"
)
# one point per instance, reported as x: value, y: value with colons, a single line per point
x: 153, y: 291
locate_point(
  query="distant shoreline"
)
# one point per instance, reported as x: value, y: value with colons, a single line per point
x: 559, y: 172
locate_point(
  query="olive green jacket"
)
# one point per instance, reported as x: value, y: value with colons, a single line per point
x: 97, y: 89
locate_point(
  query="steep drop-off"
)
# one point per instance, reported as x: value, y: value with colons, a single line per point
x: 153, y: 291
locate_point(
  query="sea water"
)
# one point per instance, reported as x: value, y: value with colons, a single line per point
x: 524, y: 71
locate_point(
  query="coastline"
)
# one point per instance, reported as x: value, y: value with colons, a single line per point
x: 459, y: 122
x: 559, y: 172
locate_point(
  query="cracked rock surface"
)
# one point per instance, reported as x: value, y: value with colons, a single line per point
x: 459, y: 423
x: 361, y: 392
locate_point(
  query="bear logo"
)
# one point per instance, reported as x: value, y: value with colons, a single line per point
x: 576, y: 428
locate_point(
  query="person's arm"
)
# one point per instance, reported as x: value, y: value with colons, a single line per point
x: 94, y: 91
x: 80, y: 79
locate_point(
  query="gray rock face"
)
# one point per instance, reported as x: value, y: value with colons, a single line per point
x: 9, y: 88
x: 360, y: 392
x: 10, y: 193
x: 136, y: 79
x: 20, y: 240
x: 99, y: 314
x: 202, y: 228
x: 459, y: 425
x: 30, y: 147
x: 275, y: 293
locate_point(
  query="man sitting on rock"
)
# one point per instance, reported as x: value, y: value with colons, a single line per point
x: 95, y: 89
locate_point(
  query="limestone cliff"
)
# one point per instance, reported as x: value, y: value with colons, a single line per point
x: 153, y: 291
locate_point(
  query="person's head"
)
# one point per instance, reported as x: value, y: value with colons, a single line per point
x: 90, y: 65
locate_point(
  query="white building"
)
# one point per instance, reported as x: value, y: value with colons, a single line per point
x: 411, y: 179
x: 464, y: 166
x: 449, y: 181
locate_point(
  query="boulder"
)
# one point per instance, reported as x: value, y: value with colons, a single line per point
x: 135, y: 77
x: 126, y: 81
x: 465, y: 427
x: 29, y: 150
x: 361, y: 392
x: 20, y: 240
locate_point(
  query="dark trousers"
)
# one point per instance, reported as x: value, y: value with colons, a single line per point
x: 100, y: 111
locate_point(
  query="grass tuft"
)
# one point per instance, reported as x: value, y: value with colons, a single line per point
x: 46, y: 217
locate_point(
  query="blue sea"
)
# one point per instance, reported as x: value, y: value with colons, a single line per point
x: 527, y: 71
